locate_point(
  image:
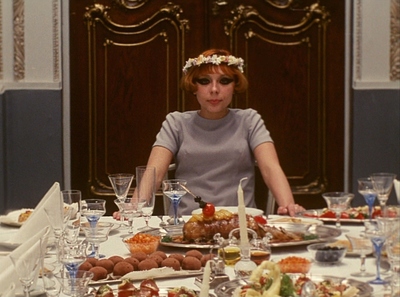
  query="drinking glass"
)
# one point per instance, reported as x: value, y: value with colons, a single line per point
x: 366, y: 188
x: 146, y: 192
x: 72, y: 205
x: 95, y: 236
x: 338, y: 202
x: 76, y: 286
x: 72, y: 255
x: 378, y: 232
x: 361, y: 246
x: 173, y: 189
x: 393, y: 252
x: 131, y: 210
x: 383, y: 184
x: 121, y: 183
x: 93, y: 210
x: 27, y: 265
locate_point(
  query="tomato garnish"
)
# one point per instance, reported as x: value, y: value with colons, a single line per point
x: 208, y: 210
x: 260, y: 220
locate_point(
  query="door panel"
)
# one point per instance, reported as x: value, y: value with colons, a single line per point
x: 126, y: 61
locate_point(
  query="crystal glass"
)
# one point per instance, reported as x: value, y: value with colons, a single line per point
x: 131, y: 210
x: 366, y: 188
x: 363, y: 247
x: 146, y: 192
x: 93, y: 210
x: 95, y: 236
x: 338, y: 202
x: 383, y: 184
x: 76, y: 286
x: 72, y: 205
x: 72, y: 255
x: 121, y: 183
x: 173, y: 189
x: 378, y: 232
x: 393, y: 252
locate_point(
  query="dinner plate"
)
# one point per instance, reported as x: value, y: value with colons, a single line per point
x: 323, y: 232
x: 275, y: 219
x: 315, y: 213
x: 234, y: 209
x: 227, y: 289
x: 11, y: 219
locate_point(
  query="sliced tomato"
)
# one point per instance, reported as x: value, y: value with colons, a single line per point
x: 344, y: 215
x: 328, y: 214
x: 150, y: 286
x: 208, y: 210
x: 260, y: 220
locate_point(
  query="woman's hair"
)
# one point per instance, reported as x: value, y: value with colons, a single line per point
x: 188, y: 81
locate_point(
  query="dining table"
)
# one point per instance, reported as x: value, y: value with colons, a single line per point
x: 115, y: 246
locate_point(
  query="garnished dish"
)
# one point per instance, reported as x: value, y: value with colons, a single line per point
x: 199, y: 231
x: 353, y: 214
x: 267, y: 280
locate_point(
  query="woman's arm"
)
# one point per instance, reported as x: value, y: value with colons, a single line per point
x: 275, y: 178
x: 160, y: 158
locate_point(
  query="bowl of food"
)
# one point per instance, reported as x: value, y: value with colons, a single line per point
x: 142, y: 242
x: 294, y: 264
x: 324, y: 253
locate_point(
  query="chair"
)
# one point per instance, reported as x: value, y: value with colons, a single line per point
x: 263, y: 196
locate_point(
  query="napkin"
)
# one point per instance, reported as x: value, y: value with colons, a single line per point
x: 38, y: 219
x: 10, y: 292
x: 396, y: 184
x: 30, y: 246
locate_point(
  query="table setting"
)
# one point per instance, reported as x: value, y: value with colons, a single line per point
x: 313, y: 251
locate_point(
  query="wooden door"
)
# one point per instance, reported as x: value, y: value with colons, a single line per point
x: 126, y: 61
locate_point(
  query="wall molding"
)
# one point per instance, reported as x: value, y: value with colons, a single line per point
x: 19, y: 42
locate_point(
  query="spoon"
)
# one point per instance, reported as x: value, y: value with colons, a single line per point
x: 308, y: 289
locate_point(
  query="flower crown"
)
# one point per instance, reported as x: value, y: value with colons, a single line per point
x: 214, y: 59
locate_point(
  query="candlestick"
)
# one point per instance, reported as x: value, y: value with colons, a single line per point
x: 244, y: 240
x: 205, y: 286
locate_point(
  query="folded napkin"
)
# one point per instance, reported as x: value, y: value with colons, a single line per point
x: 396, y: 184
x: 31, y: 246
x: 38, y: 219
x: 10, y: 292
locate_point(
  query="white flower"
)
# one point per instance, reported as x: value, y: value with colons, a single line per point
x: 214, y: 59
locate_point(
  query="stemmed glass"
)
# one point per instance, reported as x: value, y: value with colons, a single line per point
x: 131, y: 210
x: 378, y: 232
x: 383, y: 183
x: 173, y: 189
x: 72, y: 255
x: 72, y: 205
x: 146, y: 192
x: 362, y: 246
x: 97, y: 235
x: 338, y: 202
x: 393, y: 252
x: 121, y: 183
x: 366, y: 188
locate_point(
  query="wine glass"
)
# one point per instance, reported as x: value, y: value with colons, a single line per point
x: 173, y: 189
x: 383, y: 184
x: 362, y: 246
x: 72, y: 222
x: 366, y: 188
x: 338, y: 202
x: 97, y: 235
x: 72, y: 255
x: 121, y: 183
x: 93, y: 210
x: 393, y: 252
x: 378, y: 232
x: 146, y: 192
x: 76, y: 286
x: 131, y: 210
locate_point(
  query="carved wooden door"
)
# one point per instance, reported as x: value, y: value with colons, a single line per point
x: 126, y: 61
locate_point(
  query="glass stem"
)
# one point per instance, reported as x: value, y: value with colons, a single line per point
x: 175, y: 203
x: 378, y: 261
x: 362, y: 267
x: 130, y: 221
x: 338, y: 220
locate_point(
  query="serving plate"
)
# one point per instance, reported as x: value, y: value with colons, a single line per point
x: 233, y: 209
x: 275, y: 219
x: 324, y: 233
x: 227, y: 289
x: 11, y: 219
x: 6, y: 242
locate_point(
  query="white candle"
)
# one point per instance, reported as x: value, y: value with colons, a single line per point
x: 242, y: 215
x: 205, y: 286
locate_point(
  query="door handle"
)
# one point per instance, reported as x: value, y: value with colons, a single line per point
x: 217, y: 4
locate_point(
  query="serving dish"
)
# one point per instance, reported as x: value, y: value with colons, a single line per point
x: 226, y: 289
x: 323, y: 233
x: 11, y: 219
x: 233, y: 209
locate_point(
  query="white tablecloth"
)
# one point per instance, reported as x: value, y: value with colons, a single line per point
x: 115, y: 246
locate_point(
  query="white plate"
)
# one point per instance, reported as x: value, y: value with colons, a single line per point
x: 234, y: 209
x: 5, y: 240
x: 275, y: 219
x: 11, y: 219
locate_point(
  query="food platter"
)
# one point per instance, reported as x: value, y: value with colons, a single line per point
x: 277, y: 219
x: 233, y: 209
x: 226, y: 289
x: 11, y: 219
x: 324, y: 233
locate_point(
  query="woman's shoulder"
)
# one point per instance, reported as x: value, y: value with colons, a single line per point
x: 247, y: 113
x: 180, y: 116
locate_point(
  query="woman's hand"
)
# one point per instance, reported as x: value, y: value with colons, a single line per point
x: 291, y: 209
x: 116, y: 215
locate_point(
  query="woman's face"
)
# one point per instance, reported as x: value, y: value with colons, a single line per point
x: 214, y: 94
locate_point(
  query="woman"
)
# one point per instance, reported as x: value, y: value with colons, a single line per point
x: 216, y: 146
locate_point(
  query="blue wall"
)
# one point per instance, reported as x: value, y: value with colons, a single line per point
x: 31, y: 146
x: 31, y: 142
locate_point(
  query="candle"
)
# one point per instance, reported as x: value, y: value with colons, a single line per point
x: 205, y: 286
x: 242, y: 215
